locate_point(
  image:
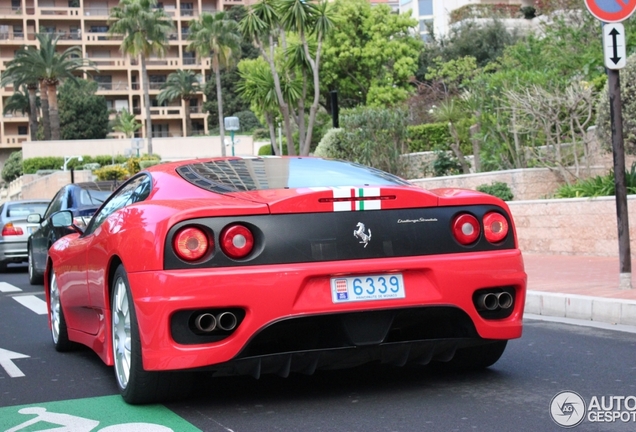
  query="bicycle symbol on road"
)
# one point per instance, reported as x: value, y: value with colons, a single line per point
x: 71, y: 423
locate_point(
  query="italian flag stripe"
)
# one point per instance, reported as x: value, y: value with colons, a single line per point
x: 348, y: 192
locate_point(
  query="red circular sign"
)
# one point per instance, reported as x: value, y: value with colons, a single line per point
x: 611, y: 11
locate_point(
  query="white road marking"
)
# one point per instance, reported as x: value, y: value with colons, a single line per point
x: 7, y: 287
x: 5, y: 361
x: 32, y: 302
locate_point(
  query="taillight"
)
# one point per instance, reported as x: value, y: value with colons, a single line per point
x: 466, y: 228
x: 190, y: 243
x: 9, y: 230
x: 237, y: 241
x: 495, y: 227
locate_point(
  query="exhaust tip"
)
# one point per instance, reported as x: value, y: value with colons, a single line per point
x: 227, y: 321
x: 504, y: 300
x: 488, y: 301
x: 205, y: 322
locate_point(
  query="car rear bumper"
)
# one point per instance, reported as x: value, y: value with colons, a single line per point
x: 13, y: 251
x: 273, y: 295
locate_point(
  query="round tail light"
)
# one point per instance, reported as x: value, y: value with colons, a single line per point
x: 190, y: 243
x: 466, y: 228
x: 495, y: 227
x: 237, y: 241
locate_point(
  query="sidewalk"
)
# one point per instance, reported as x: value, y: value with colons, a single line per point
x: 580, y: 287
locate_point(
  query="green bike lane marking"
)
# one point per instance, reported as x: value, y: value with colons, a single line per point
x: 107, y: 414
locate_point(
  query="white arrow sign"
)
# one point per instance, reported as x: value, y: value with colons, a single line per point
x: 614, y: 46
x: 5, y: 361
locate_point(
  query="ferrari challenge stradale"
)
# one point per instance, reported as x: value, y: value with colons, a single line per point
x: 246, y: 266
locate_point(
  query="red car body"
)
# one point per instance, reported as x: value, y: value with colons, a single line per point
x: 283, y: 294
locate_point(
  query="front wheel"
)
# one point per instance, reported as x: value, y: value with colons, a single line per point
x: 35, y: 277
x: 136, y: 385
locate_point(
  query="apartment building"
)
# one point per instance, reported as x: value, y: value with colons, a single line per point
x: 85, y: 23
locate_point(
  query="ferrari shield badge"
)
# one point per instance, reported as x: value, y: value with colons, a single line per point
x: 365, y: 238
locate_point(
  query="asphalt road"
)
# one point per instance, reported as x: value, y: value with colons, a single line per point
x: 514, y: 395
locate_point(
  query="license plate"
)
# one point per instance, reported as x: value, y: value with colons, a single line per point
x: 364, y: 288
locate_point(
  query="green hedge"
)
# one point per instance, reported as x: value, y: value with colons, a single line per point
x: 428, y: 137
x: 499, y: 189
x: 33, y: 165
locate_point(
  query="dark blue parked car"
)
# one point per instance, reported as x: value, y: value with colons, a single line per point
x: 83, y: 199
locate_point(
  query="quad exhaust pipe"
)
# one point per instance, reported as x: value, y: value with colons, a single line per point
x: 207, y: 322
x: 493, y: 301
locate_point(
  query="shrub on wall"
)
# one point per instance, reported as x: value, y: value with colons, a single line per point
x: 111, y: 172
x: 428, y: 137
x: 33, y: 165
x: 499, y: 189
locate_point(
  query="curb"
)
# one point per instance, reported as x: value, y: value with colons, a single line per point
x: 607, y: 310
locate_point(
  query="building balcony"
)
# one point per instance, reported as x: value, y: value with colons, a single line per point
x: 59, y: 11
x: 109, y: 61
x: 97, y: 12
x: 12, y: 36
x: 15, y: 116
x: 10, y: 11
x: 102, y: 37
x: 116, y: 86
x: 13, y: 141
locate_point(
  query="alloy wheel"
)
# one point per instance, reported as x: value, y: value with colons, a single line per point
x: 121, y: 332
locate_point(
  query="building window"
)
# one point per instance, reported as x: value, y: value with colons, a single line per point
x: 23, y: 130
x: 425, y: 25
x: 425, y: 7
x: 104, y: 82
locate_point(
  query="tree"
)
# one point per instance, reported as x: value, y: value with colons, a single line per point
x: 451, y: 113
x: 47, y: 66
x: 126, y: 123
x: 273, y: 20
x: 216, y: 36
x: 22, y: 77
x: 370, y: 57
x: 183, y: 84
x: 18, y: 102
x: 12, y: 168
x: 145, y: 29
x: 83, y: 114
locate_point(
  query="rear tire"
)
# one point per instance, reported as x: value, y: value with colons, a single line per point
x: 59, y: 332
x: 474, y: 357
x: 136, y: 385
x: 35, y: 277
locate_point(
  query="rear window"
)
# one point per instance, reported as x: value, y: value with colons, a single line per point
x: 235, y: 175
x: 95, y: 198
x: 22, y: 210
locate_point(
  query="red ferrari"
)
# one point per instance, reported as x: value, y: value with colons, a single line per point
x: 246, y: 266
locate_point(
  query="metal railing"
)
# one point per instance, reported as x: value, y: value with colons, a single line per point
x: 11, y: 36
x: 119, y: 85
x: 99, y: 11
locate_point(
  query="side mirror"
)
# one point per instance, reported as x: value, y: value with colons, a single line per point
x: 34, y: 218
x: 62, y: 219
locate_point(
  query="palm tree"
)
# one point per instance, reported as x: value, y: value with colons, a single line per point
x: 182, y: 84
x: 22, y: 77
x: 48, y: 67
x: 145, y: 29
x: 216, y: 36
x: 126, y: 123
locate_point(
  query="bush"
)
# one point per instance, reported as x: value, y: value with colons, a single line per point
x: 331, y: 145
x: 13, y: 167
x: 111, y: 172
x: 33, y: 165
x: 498, y: 189
x: 265, y: 150
x: 143, y: 164
x: 445, y: 164
x: 598, y: 186
x: 428, y: 137
x: 260, y: 134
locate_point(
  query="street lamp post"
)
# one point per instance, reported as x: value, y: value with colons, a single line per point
x: 231, y: 124
x: 67, y: 159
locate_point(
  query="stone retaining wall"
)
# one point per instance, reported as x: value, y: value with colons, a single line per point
x: 575, y: 226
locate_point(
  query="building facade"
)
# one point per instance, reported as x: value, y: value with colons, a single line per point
x: 85, y: 23
x: 435, y: 15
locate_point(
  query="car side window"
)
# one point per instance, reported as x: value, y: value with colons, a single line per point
x: 136, y: 190
x: 56, y: 204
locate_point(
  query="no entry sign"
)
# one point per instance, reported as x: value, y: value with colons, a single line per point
x: 611, y: 11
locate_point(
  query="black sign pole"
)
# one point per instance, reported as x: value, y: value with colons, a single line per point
x: 618, y: 150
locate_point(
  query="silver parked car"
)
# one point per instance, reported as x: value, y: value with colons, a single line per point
x: 15, y: 230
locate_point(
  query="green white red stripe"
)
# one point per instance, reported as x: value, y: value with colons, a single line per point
x: 356, y: 205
